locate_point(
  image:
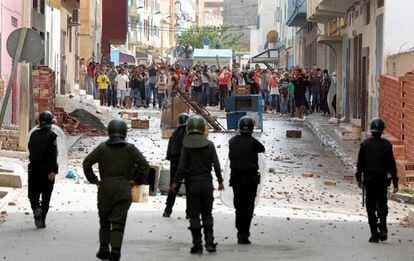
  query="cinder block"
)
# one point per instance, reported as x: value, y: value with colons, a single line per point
x: 140, y: 124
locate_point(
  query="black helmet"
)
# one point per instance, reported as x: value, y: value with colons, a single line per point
x: 196, y: 124
x: 377, y: 126
x: 183, y: 118
x: 117, y: 129
x: 246, y: 125
x: 45, y: 119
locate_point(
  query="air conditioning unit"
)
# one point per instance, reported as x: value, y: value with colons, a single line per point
x: 75, y: 19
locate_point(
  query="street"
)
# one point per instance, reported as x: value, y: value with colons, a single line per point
x: 298, y: 218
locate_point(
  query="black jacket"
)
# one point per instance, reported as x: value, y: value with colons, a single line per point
x: 376, y: 161
x: 43, y: 150
x: 175, y: 144
x: 196, y: 164
x: 243, y: 150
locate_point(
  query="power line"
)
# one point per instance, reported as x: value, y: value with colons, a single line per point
x: 178, y: 29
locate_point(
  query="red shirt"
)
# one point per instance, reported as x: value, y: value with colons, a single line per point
x: 187, y: 84
x: 224, y: 80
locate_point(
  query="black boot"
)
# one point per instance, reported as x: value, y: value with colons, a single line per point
x: 167, y: 212
x: 103, y: 253
x: 243, y: 239
x: 374, y: 238
x: 37, y: 214
x: 383, y: 231
x: 197, y: 249
x: 210, y: 245
x: 115, y: 256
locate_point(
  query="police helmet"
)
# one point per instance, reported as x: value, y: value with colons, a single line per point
x: 246, y: 125
x: 377, y: 126
x: 196, y: 124
x: 117, y: 129
x: 45, y: 119
x: 182, y: 119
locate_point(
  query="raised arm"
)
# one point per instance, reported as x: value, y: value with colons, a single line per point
x: 218, y: 62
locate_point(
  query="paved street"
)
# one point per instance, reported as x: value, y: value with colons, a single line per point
x: 298, y: 218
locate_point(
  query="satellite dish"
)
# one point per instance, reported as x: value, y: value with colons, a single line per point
x: 33, y: 50
x: 272, y: 36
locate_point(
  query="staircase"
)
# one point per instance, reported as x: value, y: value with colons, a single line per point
x: 201, y: 110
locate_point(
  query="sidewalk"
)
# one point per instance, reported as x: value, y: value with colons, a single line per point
x: 345, y: 150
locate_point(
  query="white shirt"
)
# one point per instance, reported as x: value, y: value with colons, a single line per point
x: 122, y: 80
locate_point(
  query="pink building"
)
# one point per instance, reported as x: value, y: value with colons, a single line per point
x: 10, y: 19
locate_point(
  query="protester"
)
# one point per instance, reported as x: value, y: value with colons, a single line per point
x: 161, y: 89
x: 121, y: 86
x: 103, y: 82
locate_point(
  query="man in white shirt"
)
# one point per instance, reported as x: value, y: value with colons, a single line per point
x: 121, y: 85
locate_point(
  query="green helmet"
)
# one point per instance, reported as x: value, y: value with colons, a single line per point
x: 117, y: 129
x: 196, y: 124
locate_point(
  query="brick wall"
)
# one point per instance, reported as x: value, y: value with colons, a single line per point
x: 408, y: 89
x: 44, y: 89
x: 396, y: 107
x: 9, y: 139
x: 391, y: 102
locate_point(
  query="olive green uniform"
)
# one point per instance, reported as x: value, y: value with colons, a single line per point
x: 118, y: 164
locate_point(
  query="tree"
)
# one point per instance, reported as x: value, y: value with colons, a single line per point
x: 195, y: 36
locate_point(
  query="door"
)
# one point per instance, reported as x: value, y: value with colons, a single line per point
x: 364, y: 89
x: 345, y: 73
x: 63, y: 62
x: 378, y: 58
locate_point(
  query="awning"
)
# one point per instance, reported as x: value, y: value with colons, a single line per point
x: 268, y: 56
x: 141, y: 55
x: 119, y: 57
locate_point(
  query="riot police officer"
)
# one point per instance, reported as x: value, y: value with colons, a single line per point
x: 43, y: 167
x: 197, y: 158
x: 121, y: 165
x: 175, y: 145
x: 244, y: 177
x: 376, y: 168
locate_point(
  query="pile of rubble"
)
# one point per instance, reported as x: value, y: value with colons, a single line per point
x: 79, y: 122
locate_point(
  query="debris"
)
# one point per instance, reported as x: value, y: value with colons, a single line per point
x: 72, y: 175
x: 13, y: 204
x: 329, y: 183
x: 87, y: 118
x: 295, y: 134
x: 139, y: 124
x: 307, y: 175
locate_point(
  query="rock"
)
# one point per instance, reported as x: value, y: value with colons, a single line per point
x: 294, y: 134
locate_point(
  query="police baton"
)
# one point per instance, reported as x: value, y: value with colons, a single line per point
x: 363, y: 196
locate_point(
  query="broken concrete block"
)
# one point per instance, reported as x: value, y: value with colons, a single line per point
x: 349, y: 177
x: 10, y: 180
x: 295, y: 134
x: 329, y: 183
x: 307, y: 175
x: 271, y: 170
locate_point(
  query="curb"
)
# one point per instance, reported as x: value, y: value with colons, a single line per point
x: 331, y: 144
x: 401, y: 197
x: 13, y: 193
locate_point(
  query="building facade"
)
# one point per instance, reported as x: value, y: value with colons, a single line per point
x: 90, y: 29
x: 242, y: 16
x: 213, y: 12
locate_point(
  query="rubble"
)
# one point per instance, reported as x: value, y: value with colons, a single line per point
x: 139, y: 124
x: 294, y: 134
x: 79, y: 122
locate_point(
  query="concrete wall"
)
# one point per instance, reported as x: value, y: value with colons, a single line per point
x: 52, y: 41
x: 91, y: 29
x: 400, y: 64
x: 70, y: 65
x: 242, y: 16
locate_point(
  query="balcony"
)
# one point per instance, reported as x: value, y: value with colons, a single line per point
x: 320, y: 11
x: 296, y: 13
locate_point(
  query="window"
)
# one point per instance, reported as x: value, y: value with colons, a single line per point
x: 14, y: 21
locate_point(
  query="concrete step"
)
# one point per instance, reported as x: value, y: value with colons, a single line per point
x: 349, y: 132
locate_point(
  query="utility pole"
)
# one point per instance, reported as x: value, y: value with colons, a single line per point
x: 24, y: 84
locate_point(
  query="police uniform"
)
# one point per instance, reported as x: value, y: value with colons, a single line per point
x: 196, y: 161
x: 243, y: 155
x: 175, y: 145
x: 120, y: 164
x: 43, y: 161
x: 375, y: 162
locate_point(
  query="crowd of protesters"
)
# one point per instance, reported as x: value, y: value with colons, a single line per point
x: 293, y: 92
